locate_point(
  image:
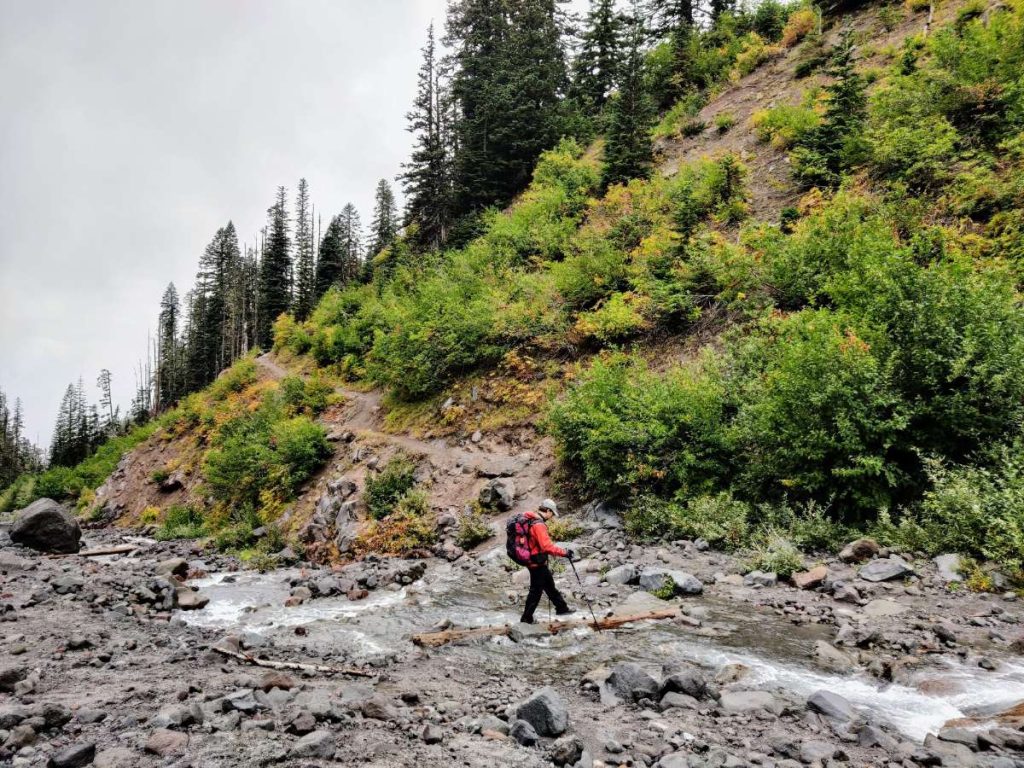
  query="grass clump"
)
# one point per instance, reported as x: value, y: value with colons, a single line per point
x: 181, y: 521
x: 472, y: 528
x: 776, y: 554
x: 410, y: 527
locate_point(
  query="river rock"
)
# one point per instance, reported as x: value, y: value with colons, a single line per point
x: 816, y: 752
x: 116, y: 757
x: 858, y: 551
x: 546, y: 711
x: 811, y: 579
x: 885, y: 569
x: 73, y: 757
x: 831, y: 705
x: 750, y: 701
x: 46, y: 526
x: 166, y: 743
x: 623, y: 574
x: 499, y: 493
x: 188, y: 600
x: 175, y: 566
x: 631, y: 682
x: 960, y: 736
x: 688, y: 681
x: 680, y: 582
x: 831, y: 657
x: 878, y: 609
x: 432, y: 734
x: 378, y: 708
x: 524, y: 733
x: 566, y: 750
x: 949, y: 567
x: 760, y: 579
x: 316, y: 744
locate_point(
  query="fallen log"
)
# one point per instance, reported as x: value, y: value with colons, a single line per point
x: 434, y: 639
x: 120, y: 549
x: 297, y: 665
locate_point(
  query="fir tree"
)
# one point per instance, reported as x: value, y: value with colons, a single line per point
x: 274, y: 292
x: 426, y: 177
x: 628, y: 149
x: 332, y: 258
x: 508, y: 79
x: 351, y: 244
x: 305, y: 269
x: 169, y: 358
x: 384, y: 227
x: 596, y: 66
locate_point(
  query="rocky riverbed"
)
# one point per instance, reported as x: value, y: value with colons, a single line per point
x: 877, y: 661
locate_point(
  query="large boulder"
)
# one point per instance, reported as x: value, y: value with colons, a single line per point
x: 949, y: 567
x: 46, y: 526
x: 623, y: 574
x: 858, y: 551
x: 499, y: 494
x: 631, y: 682
x: 546, y: 711
x: 892, y: 567
x: 663, y: 580
x: 831, y: 705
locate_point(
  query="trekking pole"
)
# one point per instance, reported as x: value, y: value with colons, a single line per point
x: 585, y: 598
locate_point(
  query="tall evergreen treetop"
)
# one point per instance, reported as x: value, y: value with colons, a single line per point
x: 384, y: 227
x: 628, y: 149
x: 275, y: 271
x: 596, y: 66
x: 305, y: 267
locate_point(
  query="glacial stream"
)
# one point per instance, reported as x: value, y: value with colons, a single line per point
x: 775, y: 652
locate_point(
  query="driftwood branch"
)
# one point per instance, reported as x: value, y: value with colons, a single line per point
x: 297, y: 665
x: 120, y: 549
x: 434, y: 639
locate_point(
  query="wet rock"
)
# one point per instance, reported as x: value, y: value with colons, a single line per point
x: 845, y: 592
x: 690, y: 682
x: 524, y: 733
x: 944, y: 632
x: 750, y: 701
x: 677, y: 700
x: 760, y: 579
x: 885, y: 569
x: 831, y: 657
x: 546, y: 711
x: 816, y: 752
x: 316, y: 744
x: 567, y: 750
x: 623, y: 574
x: 631, y: 682
x: 811, y: 579
x: 432, y: 734
x: 46, y: 526
x: 188, y: 600
x: 73, y: 757
x: 858, y: 551
x: 950, y: 752
x: 175, y: 566
x: 499, y: 494
x: 873, y: 736
x: 960, y: 736
x: 1002, y: 738
x: 949, y: 567
x: 166, y: 743
x: 679, y: 582
x: 831, y: 705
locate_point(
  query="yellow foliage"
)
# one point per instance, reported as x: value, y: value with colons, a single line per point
x: 150, y: 515
x: 800, y: 24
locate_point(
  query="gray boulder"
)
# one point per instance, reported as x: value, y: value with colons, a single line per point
x: 688, y: 681
x: 316, y: 744
x: 73, y: 757
x: 680, y: 582
x: 546, y: 711
x: 892, y: 567
x: 858, y: 551
x: 46, y: 526
x: 631, y: 682
x: 750, y: 701
x: 499, y: 493
x: 760, y: 579
x: 831, y: 705
x: 624, y: 574
x: 524, y: 733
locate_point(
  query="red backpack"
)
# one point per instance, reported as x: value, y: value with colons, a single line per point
x: 517, y: 541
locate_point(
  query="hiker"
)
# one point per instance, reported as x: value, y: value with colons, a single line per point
x: 529, y: 544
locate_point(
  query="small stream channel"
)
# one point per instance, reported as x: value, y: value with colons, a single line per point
x: 775, y: 652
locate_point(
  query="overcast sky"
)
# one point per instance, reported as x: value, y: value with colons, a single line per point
x: 131, y: 130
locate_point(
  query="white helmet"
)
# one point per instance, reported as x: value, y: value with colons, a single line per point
x: 549, y: 505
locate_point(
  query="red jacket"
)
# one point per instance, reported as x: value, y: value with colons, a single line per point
x: 540, y: 542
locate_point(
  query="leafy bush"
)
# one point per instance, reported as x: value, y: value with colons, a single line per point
x: 775, y: 554
x: 756, y: 51
x: 385, y: 488
x: 719, y: 519
x: 301, y: 447
x: 785, y: 125
x: 159, y: 475
x: 800, y: 23
x: 473, y: 528
x: 692, y: 128
x: 562, y: 529
x: 620, y: 317
x: 181, y: 522
x: 724, y: 121
x: 410, y: 527
x: 236, y: 378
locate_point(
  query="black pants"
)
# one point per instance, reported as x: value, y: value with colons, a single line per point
x: 542, y: 582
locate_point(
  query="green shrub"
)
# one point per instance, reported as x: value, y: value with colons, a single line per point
x: 385, y: 488
x: 301, y: 446
x: 724, y: 121
x: 236, y: 378
x: 563, y: 529
x: 410, y: 527
x: 691, y: 128
x: 775, y: 554
x: 626, y: 428
x: 785, y: 125
x: 473, y: 529
x: 159, y: 475
x: 181, y: 522
x: 305, y: 396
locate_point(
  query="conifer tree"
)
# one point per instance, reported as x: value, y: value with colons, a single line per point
x: 332, y: 258
x: 169, y: 358
x: 426, y: 178
x: 17, y: 454
x: 384, y: 226
x: 305, y: 269
x: 351, y: 244
x: 508, y: 79
x: 109, y: 423
x: 628, y: 149
x: 596, y: 66
x: 275, y: 268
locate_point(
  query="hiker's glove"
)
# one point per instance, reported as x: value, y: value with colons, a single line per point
x: 570, y: 554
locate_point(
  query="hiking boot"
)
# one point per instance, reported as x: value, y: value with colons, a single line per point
x: 568, y: 611
x: 526, y: 620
